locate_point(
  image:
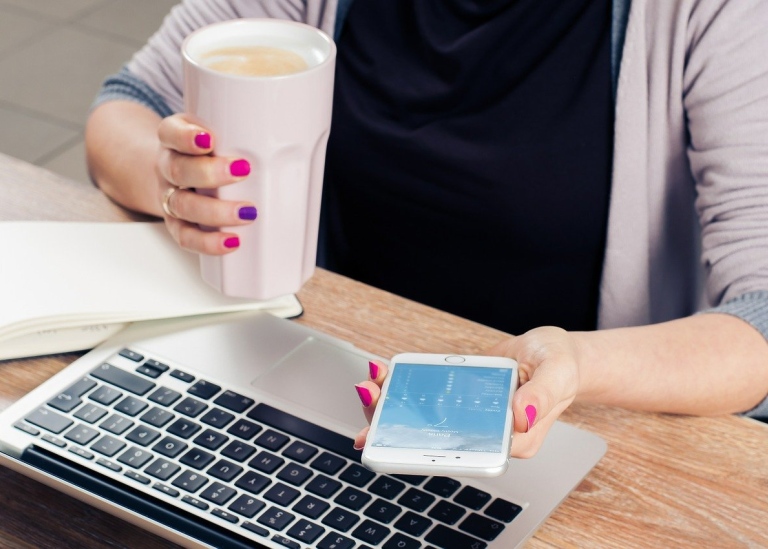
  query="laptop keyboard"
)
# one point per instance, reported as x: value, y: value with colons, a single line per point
x: 254, y: 467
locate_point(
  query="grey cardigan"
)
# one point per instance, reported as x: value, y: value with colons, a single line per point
x: 688, y: 214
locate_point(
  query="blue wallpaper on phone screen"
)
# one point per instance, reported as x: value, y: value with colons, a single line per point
x: 445, y: 408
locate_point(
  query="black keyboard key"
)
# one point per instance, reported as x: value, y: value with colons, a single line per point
x: 170, y: 447
x: 370, y: 532
x: 472, y: 498
x: 21, y: 426
x: 328, y: 463
x: 81, y: 434
x: 446, y: 512
x: 246, y: 506
x: 218, y: 418
x: 266, y: 462
x: 281, y: 494
x: 203, y: 389
x: 211, y: 440
x: 197, y: 458
x: 218, y: 493
x: 69, y: 399
x: 244, y: 429
x: 357, y: 475
x: 157, y: 417
x: 49, y: 420
x: 152, y: 363
x: 131, y: 406
x: 131, y: 355
x: 137, y: 477
x: 442, y: 486
x: 448, y: 538
x: 53, y: 440
x: 276, y: 518
x: 105, y: 395
x: 323, y: 486
x: 183, y: 428
x: 238, y: 450
x: 383, y: 511
x: 271, y: 440
x: 166, y: 490
x: 352, y: 498
x: 311, y: 507
x: 195, y: 502
x: 481, y: 527
x: 122, y: 379
x: 298, y: 451
x: 285, y: 542
x: 416, y: 500
x: 190, y: 481
x: 503, y: 510
x: 224, y: 470
x: 416, y: 480
x: 190, y: 407
x: 294, y: 474
x: 116, y: 424
x: 149, y: 371
x: 232, y: 401
x: 229, y: 517
x: 162, y: 469
x: 386, y: 487
x: 340, y: 519
x: 333, y: 540
x: 253, y: 482
x: 400, y: 541
x: 143, y: 435
x: 108, y: 446
x: 109, y: 465
x: 183, y: 376
x: 305, y: 531
x: 258, y: 530
x: 90, y: 413
x: 80, y: 452
x: 164, y: 396
x: 135, y: 457
x: 413, y: 524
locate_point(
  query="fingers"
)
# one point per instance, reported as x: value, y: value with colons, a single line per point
x: 369, y: 392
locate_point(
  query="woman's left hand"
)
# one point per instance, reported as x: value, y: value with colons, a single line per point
x: 549, y: 380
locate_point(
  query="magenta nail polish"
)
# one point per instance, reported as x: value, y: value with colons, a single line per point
x: 247, y: 212
x: 365, y: 395
x: 240, y: 168
x: 373, y: 369
x: 530, y: 414
x: 232, y: 242
x: 203, y: 140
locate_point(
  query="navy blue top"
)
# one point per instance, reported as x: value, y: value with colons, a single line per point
x: 468, y: 166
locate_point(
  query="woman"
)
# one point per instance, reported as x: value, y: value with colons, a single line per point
x: 533, y: 164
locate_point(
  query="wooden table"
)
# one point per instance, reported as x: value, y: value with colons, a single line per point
x: 666, y: 481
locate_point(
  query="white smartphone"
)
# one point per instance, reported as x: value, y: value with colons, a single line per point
x: 443, y: 415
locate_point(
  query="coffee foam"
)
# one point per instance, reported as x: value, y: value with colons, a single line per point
x: 254, y: 61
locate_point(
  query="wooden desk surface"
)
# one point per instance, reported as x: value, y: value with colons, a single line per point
x: 666, y: 481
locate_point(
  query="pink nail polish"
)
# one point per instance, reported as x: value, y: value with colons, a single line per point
x: 365, y: 395
x: 530, y: 414
x: 354, y: 447
x: 203, y: 140
x: 240, y: 168
x: 232, y: 242
x: 373, y: 369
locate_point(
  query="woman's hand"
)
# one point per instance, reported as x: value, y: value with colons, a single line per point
x: 185, y: 164
x: 549, y: 380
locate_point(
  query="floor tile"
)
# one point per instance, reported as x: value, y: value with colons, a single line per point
x: 57, y: 9
x: 60, y: 74
x: 70, y: 163
x: 30, y: 138
x: 135, y: 20
x: 17, y: 29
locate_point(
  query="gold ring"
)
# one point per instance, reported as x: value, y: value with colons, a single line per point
x: 167, y: 201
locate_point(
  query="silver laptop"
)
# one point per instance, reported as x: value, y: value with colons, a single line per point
x: 237, y: 433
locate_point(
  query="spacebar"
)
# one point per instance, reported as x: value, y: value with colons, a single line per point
x: 305, y: 430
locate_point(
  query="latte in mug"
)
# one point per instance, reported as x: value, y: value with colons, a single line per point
x: 254, y: 61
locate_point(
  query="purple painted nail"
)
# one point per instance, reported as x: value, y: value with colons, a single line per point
x: 247, y: 212
x: 530, y: 414
x: 203, y: 140
x: 240, y: 168
x: 365, y: 395
x: 232, y: 242
x: 373, y: 369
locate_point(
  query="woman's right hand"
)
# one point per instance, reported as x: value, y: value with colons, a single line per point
x: 185, y: 163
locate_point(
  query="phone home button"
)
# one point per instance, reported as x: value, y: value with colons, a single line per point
x: 454, y: 359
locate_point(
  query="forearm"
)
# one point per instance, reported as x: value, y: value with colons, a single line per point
x: 122, y: 147
x: 705, y: 364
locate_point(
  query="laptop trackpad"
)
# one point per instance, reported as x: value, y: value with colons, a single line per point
x: 318, y: 377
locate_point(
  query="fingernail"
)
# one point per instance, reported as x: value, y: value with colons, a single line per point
x: 373, y: 369
x: 358, y: 448
x: 203, y: 140
x: 247, y: 212
x: 530, y: 413
x: 365, y: 395
x: 240, y: 168
x: 232, y: 242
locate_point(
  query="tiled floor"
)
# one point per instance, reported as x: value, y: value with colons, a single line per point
x: 54, y: 55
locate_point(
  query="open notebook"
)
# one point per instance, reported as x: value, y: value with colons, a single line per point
x: 237, y: 433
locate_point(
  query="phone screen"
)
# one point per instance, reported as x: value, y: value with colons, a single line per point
x: 461, y: 408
